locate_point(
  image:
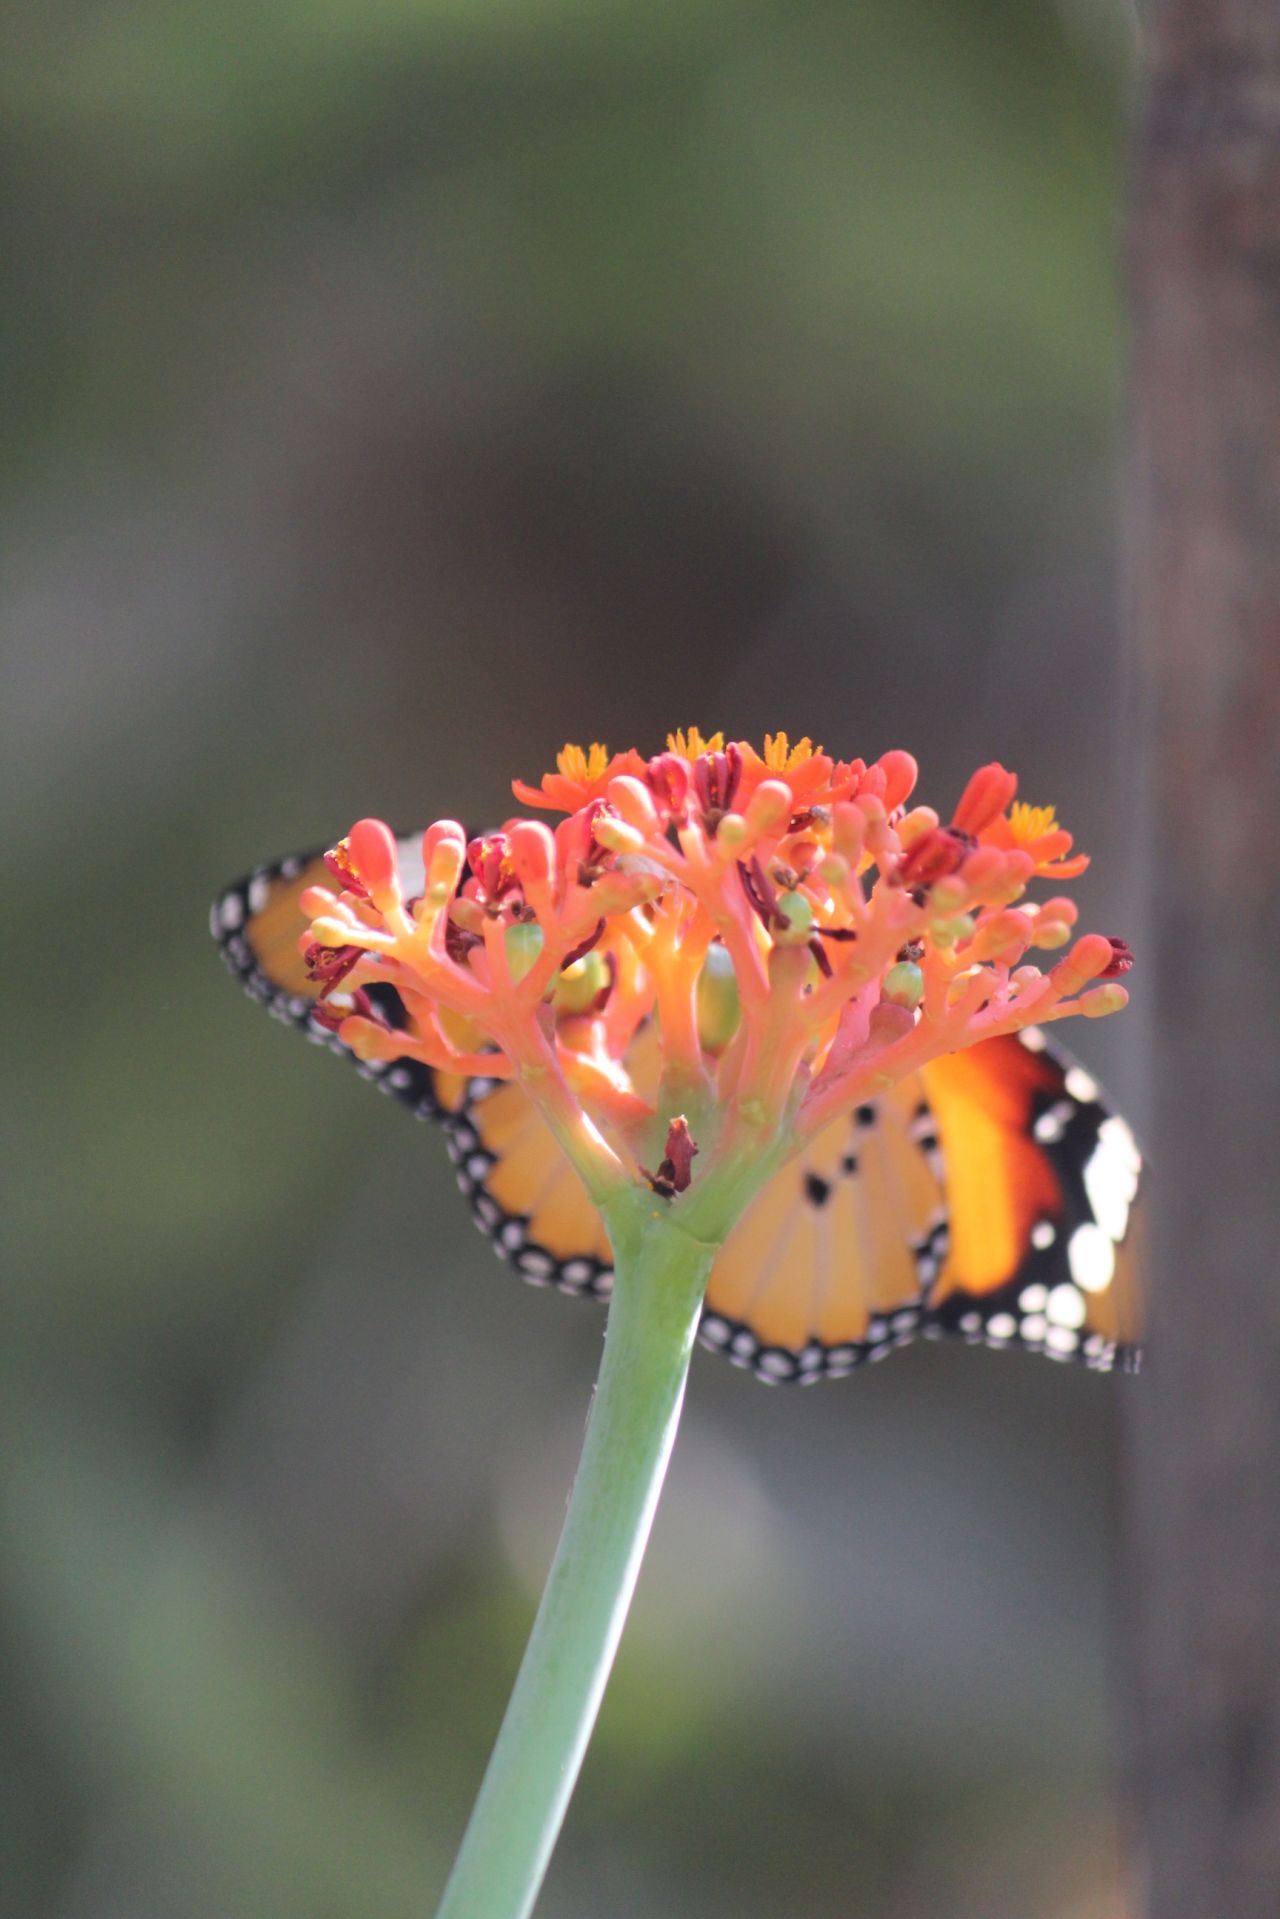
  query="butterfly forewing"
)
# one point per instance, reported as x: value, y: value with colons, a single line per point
x: 1042, y: 1183
x: 259, y: 923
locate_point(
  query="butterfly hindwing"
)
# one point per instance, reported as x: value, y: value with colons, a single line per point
x: 833, y: 1262
x: 990, y: 1196
x: 525, y: 1195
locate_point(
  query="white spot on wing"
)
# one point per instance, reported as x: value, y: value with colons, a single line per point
x: 1066, y: 1306
x: 1111, y: 1176
x: 1091, y: 1255
x: 1050, y: 1126
x: 1119, y: 1138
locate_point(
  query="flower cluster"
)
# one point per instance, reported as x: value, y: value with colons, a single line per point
x: 782, y: 930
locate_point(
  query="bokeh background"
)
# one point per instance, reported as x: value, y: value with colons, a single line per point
x: 397, y: 389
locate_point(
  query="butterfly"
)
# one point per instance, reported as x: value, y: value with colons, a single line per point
x: 993, y: 1196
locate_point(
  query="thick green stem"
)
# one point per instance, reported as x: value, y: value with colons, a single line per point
x: 660, y: 1276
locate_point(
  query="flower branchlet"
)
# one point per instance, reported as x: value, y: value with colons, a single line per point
x: 752, y: 940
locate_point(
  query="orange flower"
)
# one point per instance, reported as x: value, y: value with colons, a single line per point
x: 1035, y: 830
x: 805, y: 768
x: 581, y: 775
x: 715, y: 899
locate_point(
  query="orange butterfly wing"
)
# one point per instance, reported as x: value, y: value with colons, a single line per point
x: 832, y: 1262
x: 257, y: 923
x: 1047, y: 1232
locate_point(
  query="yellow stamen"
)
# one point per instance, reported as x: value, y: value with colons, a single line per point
x: 1030, y: 823
x: 575, y: 764
x: 691, y: 745
x: 781, y: 757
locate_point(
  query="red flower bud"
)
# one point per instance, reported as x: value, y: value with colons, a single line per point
x: 986, y: 796
x: 373, y: 855
x: 937, y: 853
x: 1122, y: 960
x: 676, y: 1171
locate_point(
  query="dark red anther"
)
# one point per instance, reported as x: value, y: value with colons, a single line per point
x: 819, y: 953
x: 936, y: 854
x: 1121, y: 959
x: 338, y: 862
x: 485, y: 857
x: 329, y: 965
x: 583, y: 947
x: 459, y: 942
x: 668, y: 779
x: 758, y: 888
x: 361, y: 1007
x: 676, y: 1171
x: 703, y: 778
x: 733, y: 761
x: 715, y: 781
x: 605, y: 994
x: 490, y: 860
x: 579, y: 852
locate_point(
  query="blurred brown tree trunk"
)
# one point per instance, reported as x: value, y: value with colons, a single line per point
x: 1204, y: 1492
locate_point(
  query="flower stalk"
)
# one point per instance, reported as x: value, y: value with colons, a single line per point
x: 660, y: 1274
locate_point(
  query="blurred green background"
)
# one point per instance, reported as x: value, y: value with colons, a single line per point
x: 396, y: 390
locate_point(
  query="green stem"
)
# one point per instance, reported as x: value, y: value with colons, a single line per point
x: 659, y: 1278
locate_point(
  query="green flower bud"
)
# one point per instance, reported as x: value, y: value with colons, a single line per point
x: 580, y: 985
x: 718, y: 1007
x: 904, y: 984
x: 950, y: 932
x: 523, y: 943
x: 796, y: 915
